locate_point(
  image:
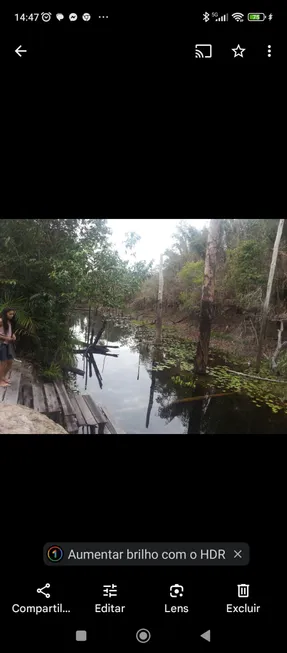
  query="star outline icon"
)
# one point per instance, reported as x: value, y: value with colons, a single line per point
x: 238, y: 51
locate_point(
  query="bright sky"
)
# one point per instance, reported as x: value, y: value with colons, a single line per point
x: 156, y: 235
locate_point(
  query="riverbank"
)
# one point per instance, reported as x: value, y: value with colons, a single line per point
x: 238, y: 338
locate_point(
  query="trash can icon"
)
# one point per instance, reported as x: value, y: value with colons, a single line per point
x: 243, y: 590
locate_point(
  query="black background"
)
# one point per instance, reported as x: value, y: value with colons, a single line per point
x: 106, y: 490
x: 137, y: 129
x: 127, y: 117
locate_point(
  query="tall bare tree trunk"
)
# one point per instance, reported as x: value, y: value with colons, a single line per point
x: 159, y: 303
x: 280, y: 346
x: 207, y: 297
x: 268, y: 292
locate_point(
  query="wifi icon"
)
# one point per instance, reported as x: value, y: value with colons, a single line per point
x: 239, y: 17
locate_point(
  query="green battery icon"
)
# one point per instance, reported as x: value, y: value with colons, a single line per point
x: 256, y: 17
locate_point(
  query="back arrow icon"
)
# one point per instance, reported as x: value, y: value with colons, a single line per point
x: 18, y: 50
x: 206, y: 635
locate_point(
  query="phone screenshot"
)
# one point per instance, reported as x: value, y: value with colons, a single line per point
x: 143, y: 326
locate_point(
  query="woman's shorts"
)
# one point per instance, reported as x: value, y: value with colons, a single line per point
x: 5, y: 353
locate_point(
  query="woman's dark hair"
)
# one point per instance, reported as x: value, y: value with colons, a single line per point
x: 5, y: 319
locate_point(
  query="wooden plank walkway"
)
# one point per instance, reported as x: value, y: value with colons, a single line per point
x: 86, y: 413
x: 38, y: 398
x: 53, y: 399
x: 64, y: 398
x: 79, y: 416
x: 97, y: 413
x: 52, y: 402
x: 11, y: 393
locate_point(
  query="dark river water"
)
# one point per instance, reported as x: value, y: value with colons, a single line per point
x: 142, y: 402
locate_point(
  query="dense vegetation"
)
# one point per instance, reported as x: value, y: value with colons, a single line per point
x: 47, y: 267
x: 242, y: 271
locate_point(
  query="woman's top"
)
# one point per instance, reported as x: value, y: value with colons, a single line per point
x: 2, y: 332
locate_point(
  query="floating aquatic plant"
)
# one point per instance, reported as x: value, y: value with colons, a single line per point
x: 260, y: 392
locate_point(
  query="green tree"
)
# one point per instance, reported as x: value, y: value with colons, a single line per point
x: 131, y: 239
x: 191, y: 277
x: 246, y: 269
x: 49, y: 265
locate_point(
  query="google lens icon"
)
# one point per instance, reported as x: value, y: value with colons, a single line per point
x: 55, y: 553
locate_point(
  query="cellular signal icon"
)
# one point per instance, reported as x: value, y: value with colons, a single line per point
x: 239, y: 17
x: 221, y: 19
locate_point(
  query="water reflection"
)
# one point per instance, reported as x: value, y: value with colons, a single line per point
x: 144, y: 400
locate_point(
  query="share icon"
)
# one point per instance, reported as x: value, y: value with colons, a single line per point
x: 40, y: 590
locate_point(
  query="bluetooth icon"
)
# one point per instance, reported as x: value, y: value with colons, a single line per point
x: 206, y: 17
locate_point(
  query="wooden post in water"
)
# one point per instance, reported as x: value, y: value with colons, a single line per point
x: 97, y: 371
x: 159, y: 303
x: 86, y: 377
x: 97, y: 338
x: 268, y: 292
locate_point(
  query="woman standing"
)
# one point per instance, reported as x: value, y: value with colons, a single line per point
x: 7, y: 336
